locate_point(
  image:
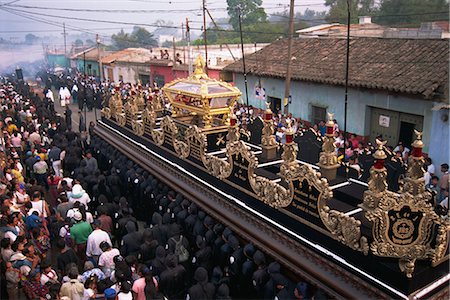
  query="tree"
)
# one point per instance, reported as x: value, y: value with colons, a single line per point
x: 140, y: 37
x: 30, y: 39
x: 338, y: 9
x: 411, y: 12
x: 78, y: 43
x: 90, y: 42
x: 250, y: 10
x: 143, y: 37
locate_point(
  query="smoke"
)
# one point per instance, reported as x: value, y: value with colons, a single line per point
x: 28, y: 58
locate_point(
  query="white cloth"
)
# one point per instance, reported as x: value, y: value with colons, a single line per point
x: 40, y: 207
x: 431, y: 169
x: 444, y: 203
x: 93, y: 242
x: 49, y: 95
x: 88, y: 293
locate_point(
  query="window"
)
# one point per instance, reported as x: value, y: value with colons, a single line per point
x: 226, y: 76
x: 318, y: 113
x: 159, y: 79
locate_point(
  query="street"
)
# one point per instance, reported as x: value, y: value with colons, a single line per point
x: 90, y: 115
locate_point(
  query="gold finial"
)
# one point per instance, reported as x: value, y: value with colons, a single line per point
x: 380, y: 154
x: 419, y: 134
x: 330, y: 122
x: 199, y: 66
x: 267, y: 105
x: 418, y: 143
x: 289, y: 127
x: 330, y: 117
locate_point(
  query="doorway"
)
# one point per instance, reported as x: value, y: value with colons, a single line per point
x: 406, y: 133
x: 275, y: 104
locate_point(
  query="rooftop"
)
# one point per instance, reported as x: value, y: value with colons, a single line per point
x: 133, y: 55
x: 411, y: 66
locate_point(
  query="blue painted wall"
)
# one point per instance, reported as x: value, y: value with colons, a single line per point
x: 94, y: 66
x: 305, y: 94
x: 439, y: 141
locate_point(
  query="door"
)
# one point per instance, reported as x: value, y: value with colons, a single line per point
x: 110, y: 75
x: 408, y: 123
x: 406, y: 133
x: 394, y: 126
x: 385, y: 123
x: 144, y: 79
x: 275, y: 104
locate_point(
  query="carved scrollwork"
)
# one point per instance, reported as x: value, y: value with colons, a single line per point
x: 271, y: 193
x: 158, y: 136
x: 344, y: 228
x: 149, y: 116
x: 138, y: 127
x: 169, y: 126
x: 442, y: 239
x: 402, y: 228
x: 181, y: 148
x: 106, y: 112
x: 121, y: 119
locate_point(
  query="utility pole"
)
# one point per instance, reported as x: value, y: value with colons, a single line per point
x: 188, y: 37
x: 243, y: 58
x: 346, y: 72
x: 100, y: 65
x: 183, y: 38
x: 174, y: 51
x: 287, y: 88
x: 204, y: 36
x: 65, y: 43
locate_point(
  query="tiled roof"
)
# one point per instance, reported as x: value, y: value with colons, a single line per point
x: 90, y: 54
x: 132, y: 55
x: 412, y: 66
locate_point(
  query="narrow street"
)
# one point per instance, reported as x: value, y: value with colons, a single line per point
x: 90, y: 115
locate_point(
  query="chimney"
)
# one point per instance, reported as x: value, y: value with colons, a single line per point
x: 365, y: 20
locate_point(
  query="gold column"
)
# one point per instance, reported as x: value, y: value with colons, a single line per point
x: 268, y: 143
x: 328, y: 158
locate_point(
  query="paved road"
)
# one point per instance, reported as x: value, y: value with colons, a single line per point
x: 90, y: 115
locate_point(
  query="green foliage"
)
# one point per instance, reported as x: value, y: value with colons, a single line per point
x: 140, y: 37
x: 250, y: 10
x: 90, y: 42
x: 411, y: 12
x: 338, y: 10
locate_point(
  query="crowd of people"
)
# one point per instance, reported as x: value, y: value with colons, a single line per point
x: 74, y: 222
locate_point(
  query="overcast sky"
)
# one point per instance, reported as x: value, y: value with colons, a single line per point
x: 15, y: 26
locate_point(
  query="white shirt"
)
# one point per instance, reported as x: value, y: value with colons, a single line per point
x: 431, y: 169
x: 84, y: 199
x: 444, y: 203
x: 93, y: 242
x: 50, y: 276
